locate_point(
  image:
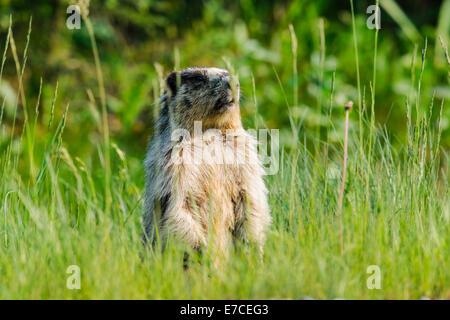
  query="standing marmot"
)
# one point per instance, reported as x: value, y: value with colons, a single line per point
x: 204, y: 181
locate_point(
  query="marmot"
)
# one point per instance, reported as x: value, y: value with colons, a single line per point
x: 204, y: 203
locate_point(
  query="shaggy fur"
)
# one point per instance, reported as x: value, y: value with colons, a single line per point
x: 208, y: 202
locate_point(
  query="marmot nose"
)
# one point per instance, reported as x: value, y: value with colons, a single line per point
x: 226, y: 82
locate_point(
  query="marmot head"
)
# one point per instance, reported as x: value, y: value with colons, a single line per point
x: 209, y: 95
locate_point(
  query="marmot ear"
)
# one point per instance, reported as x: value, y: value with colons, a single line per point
x: 173, y: 82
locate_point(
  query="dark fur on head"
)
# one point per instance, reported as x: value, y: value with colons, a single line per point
x: 204, y: 94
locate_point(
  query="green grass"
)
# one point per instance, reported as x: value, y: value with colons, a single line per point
x: 58, y: 210
x: 403, y: 228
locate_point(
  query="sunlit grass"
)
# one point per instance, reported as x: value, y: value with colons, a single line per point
x: 404, y: 229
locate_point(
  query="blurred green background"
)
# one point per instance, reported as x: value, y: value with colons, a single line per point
x: 141, y: 41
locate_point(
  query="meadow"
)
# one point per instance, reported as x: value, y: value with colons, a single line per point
x: 73, y: 133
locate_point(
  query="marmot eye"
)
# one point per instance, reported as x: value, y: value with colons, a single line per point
x: 199, y: 77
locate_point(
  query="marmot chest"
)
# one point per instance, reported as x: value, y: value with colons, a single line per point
x: 212, y: 169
